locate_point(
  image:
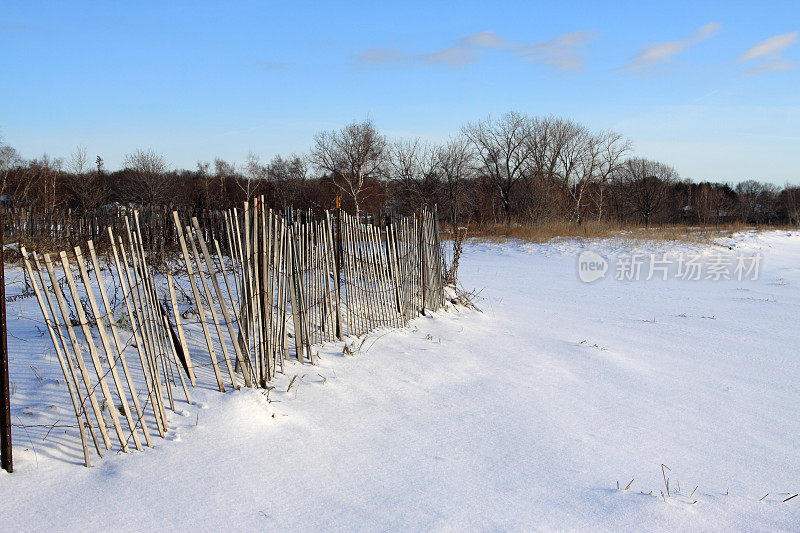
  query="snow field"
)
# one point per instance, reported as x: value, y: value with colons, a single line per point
x: 523, y: 417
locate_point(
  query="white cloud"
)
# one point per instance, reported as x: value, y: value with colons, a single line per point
x: 377, y: 56
x: 771, y: 47
x: 666, y: 51
x: 706, y: 32
x: 768, y: 54
x: 486, y: 39
x: 562, y: 53
x: 454, y: 56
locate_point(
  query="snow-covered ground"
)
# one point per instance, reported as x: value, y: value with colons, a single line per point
x: 524, y: 417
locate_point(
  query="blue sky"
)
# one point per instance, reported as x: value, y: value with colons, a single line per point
x: 709, y: 87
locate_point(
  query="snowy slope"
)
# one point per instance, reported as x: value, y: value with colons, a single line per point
x: 523, y: 417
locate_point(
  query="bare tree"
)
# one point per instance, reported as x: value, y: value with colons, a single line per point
x: 87, y: 186
x: 413, y: 166
x: 587, y: 161
x: 546, y: 188
x: 504, y: 153
x: 757, y: 200
x: 224, y: 174
x: 43, y: 181
x: 548, y: 137
x: 289, y: 177
x: 791, y: 202
x: 147, y: 172
x: 769, y: 202
x: 254, y: 172
x: 78, y: 161
x: 405, y: 165
x: 704, y: 203
x: 456, y: 162
x: 9, y: 159
x: 351, y: 156
x: 575, y: 168
x: 201, y: 189
x: 612, y: 148
x: 646, y: 184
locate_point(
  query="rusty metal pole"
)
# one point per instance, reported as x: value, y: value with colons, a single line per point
x: 5, y: 398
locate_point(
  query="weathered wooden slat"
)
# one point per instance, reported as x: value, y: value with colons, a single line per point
x: 93, y: 353
x: 172, y: 339
x: 179, y: 326
x: 140, y: 326
x: 212, y: 307
x: 65, y: 350
x: 235, y: 306
x: 280, y: 325
x: 110, y: 357
x: 212, y: 271
x: 131, y: 305
x: 150, y: 321
x: 118, y: 343
x: 294, y: 296
x: 69, y: 375
x: 198, y: 301
x: 87, y: 382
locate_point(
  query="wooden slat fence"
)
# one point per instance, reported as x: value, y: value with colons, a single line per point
x: 264, y: 287
x: 58, y: 229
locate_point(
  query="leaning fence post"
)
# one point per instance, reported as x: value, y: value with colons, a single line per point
x: 422, y: 256
x: 338, y: 256
x: 5, y: 398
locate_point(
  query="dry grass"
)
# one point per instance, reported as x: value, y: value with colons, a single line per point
x: 549, y: 230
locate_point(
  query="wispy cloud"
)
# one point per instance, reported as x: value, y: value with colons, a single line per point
x: 665, y: 52
x: 455, y: 56
x: 564, y: 53
x: 377, y: 56
x: 771, y: 47
x: 486, y: 39
x: 767, y: 54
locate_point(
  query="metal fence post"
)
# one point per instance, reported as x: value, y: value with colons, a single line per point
x: 5, y: 398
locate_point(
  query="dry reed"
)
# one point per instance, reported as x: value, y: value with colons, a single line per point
x: 546, y: 231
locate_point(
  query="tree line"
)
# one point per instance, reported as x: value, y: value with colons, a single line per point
x: 512, y: 169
